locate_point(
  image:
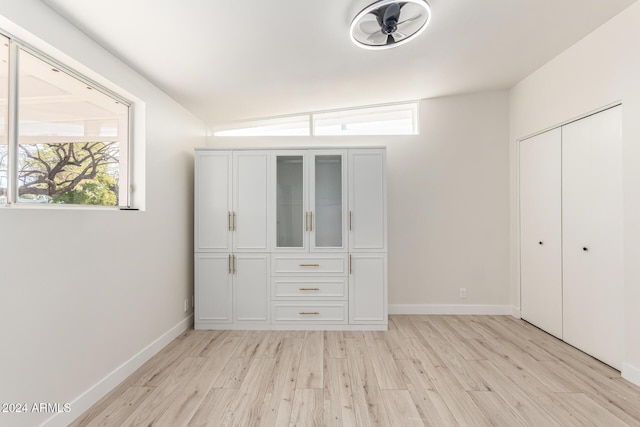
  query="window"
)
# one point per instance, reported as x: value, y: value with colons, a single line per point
x: 281, y: 126
x: 71, y: 142
x: 4, y: 116
x: 397, y: 119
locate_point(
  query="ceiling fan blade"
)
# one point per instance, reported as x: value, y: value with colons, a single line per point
x: 377, y: 38
x: 390, y: 39
x: 369, y: 27
x: 398, y: 35
x: 392, y: 12
x: 406, y: 21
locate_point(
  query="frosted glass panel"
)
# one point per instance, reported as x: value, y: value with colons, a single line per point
x: 328, y: 203
x: 290, y: 208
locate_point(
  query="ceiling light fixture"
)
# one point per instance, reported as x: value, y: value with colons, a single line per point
x: 390, y: 23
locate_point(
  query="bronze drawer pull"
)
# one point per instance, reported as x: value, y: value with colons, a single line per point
x: 309, y: 289
x: 309, y: 312
x: 309, y: 265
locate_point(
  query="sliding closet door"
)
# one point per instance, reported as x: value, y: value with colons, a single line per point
x: 593, y: 235
x: 540, y: 235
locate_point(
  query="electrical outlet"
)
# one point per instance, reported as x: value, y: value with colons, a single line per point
x: 463, y: 293
x: 186, y: 302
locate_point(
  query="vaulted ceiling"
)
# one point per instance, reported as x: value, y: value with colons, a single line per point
x: 233, y: 60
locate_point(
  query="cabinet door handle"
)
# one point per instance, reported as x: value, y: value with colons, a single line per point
x: 311, y: 221
x: 306, y: 221
x: 309, y: 265
x: 309, y: 289
x: 309, y: 312
x: 350, y: 220
x: 350, y: 265
x: 229, y: 264
x: 586, y: 249
x: 234, y: 264
x: 540, y: 243
x: 234, y: 221
x: 229, y: 221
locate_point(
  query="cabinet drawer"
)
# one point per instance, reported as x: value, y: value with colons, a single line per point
x: 334, y: 265
x: 309, y: 288
x: 309, y: 312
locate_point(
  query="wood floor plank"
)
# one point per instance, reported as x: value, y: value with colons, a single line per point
x: 463, y: 408
x: 620, y: 401
x: 120, y: 409
x: 368, y: 405
x: 401, y: 409
x: 307, y: 408
x: 527, y: 408
x: 215, y: 409
x: 587, y: 412
x: 251, y: 396
x: 311, y: 363
x: 185, y: 405
x: 334, y: 345
x: 233, y: 374
x: 338, y: 399
x: 160, y: 369
x: 497, y: 411
x: 454, y: 340
x: 276, y: 409
x: 404, y: 325
x: 430, y: 405
x: 453, y: 360
x: 437, y: 371
x: 394, y: 340
x: 387, y: 372
x: 152, y: 408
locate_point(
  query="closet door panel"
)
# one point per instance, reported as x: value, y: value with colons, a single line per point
x: 540, y: 235
x: 213, y: 201
x: 251, y: 183
x: 251, y: 287
x: 367, y: 200
x: 213, y: 290
x: 593, y: 235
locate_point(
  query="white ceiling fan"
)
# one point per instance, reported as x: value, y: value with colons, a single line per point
x: 389, y: 23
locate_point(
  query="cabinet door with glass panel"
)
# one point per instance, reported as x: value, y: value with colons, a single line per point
x: 310, y: 200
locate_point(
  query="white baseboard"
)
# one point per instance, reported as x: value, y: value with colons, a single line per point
x: 631, y: 373
x: 87, y: 399
x: 450, y: 309
x: 515, y: 312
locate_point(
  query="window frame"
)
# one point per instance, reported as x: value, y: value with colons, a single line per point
x: 240, y: 128
x: 12, y: 134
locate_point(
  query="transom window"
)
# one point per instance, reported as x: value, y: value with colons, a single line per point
x: 396, y: 119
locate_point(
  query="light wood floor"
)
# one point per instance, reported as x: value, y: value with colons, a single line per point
x: 426, y: 370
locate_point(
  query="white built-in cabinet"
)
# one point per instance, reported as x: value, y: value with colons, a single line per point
x: 232, y: 260
x: 572, y: 234
x: 291, y: 238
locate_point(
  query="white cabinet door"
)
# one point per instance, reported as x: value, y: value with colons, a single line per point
x: 367, y: 200
x: 593, y: 235
x: 540, y: 231
x: 368, y: 288
x: 327, y: 200
x: 290, y: 201
x: 251, y: 287
x: 251, y: 216
x: 213, y: 201
x: 213, y: 289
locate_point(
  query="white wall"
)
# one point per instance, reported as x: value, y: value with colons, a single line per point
x: 448, y: 195
x: 601, y: 69
x: 81, y: 292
